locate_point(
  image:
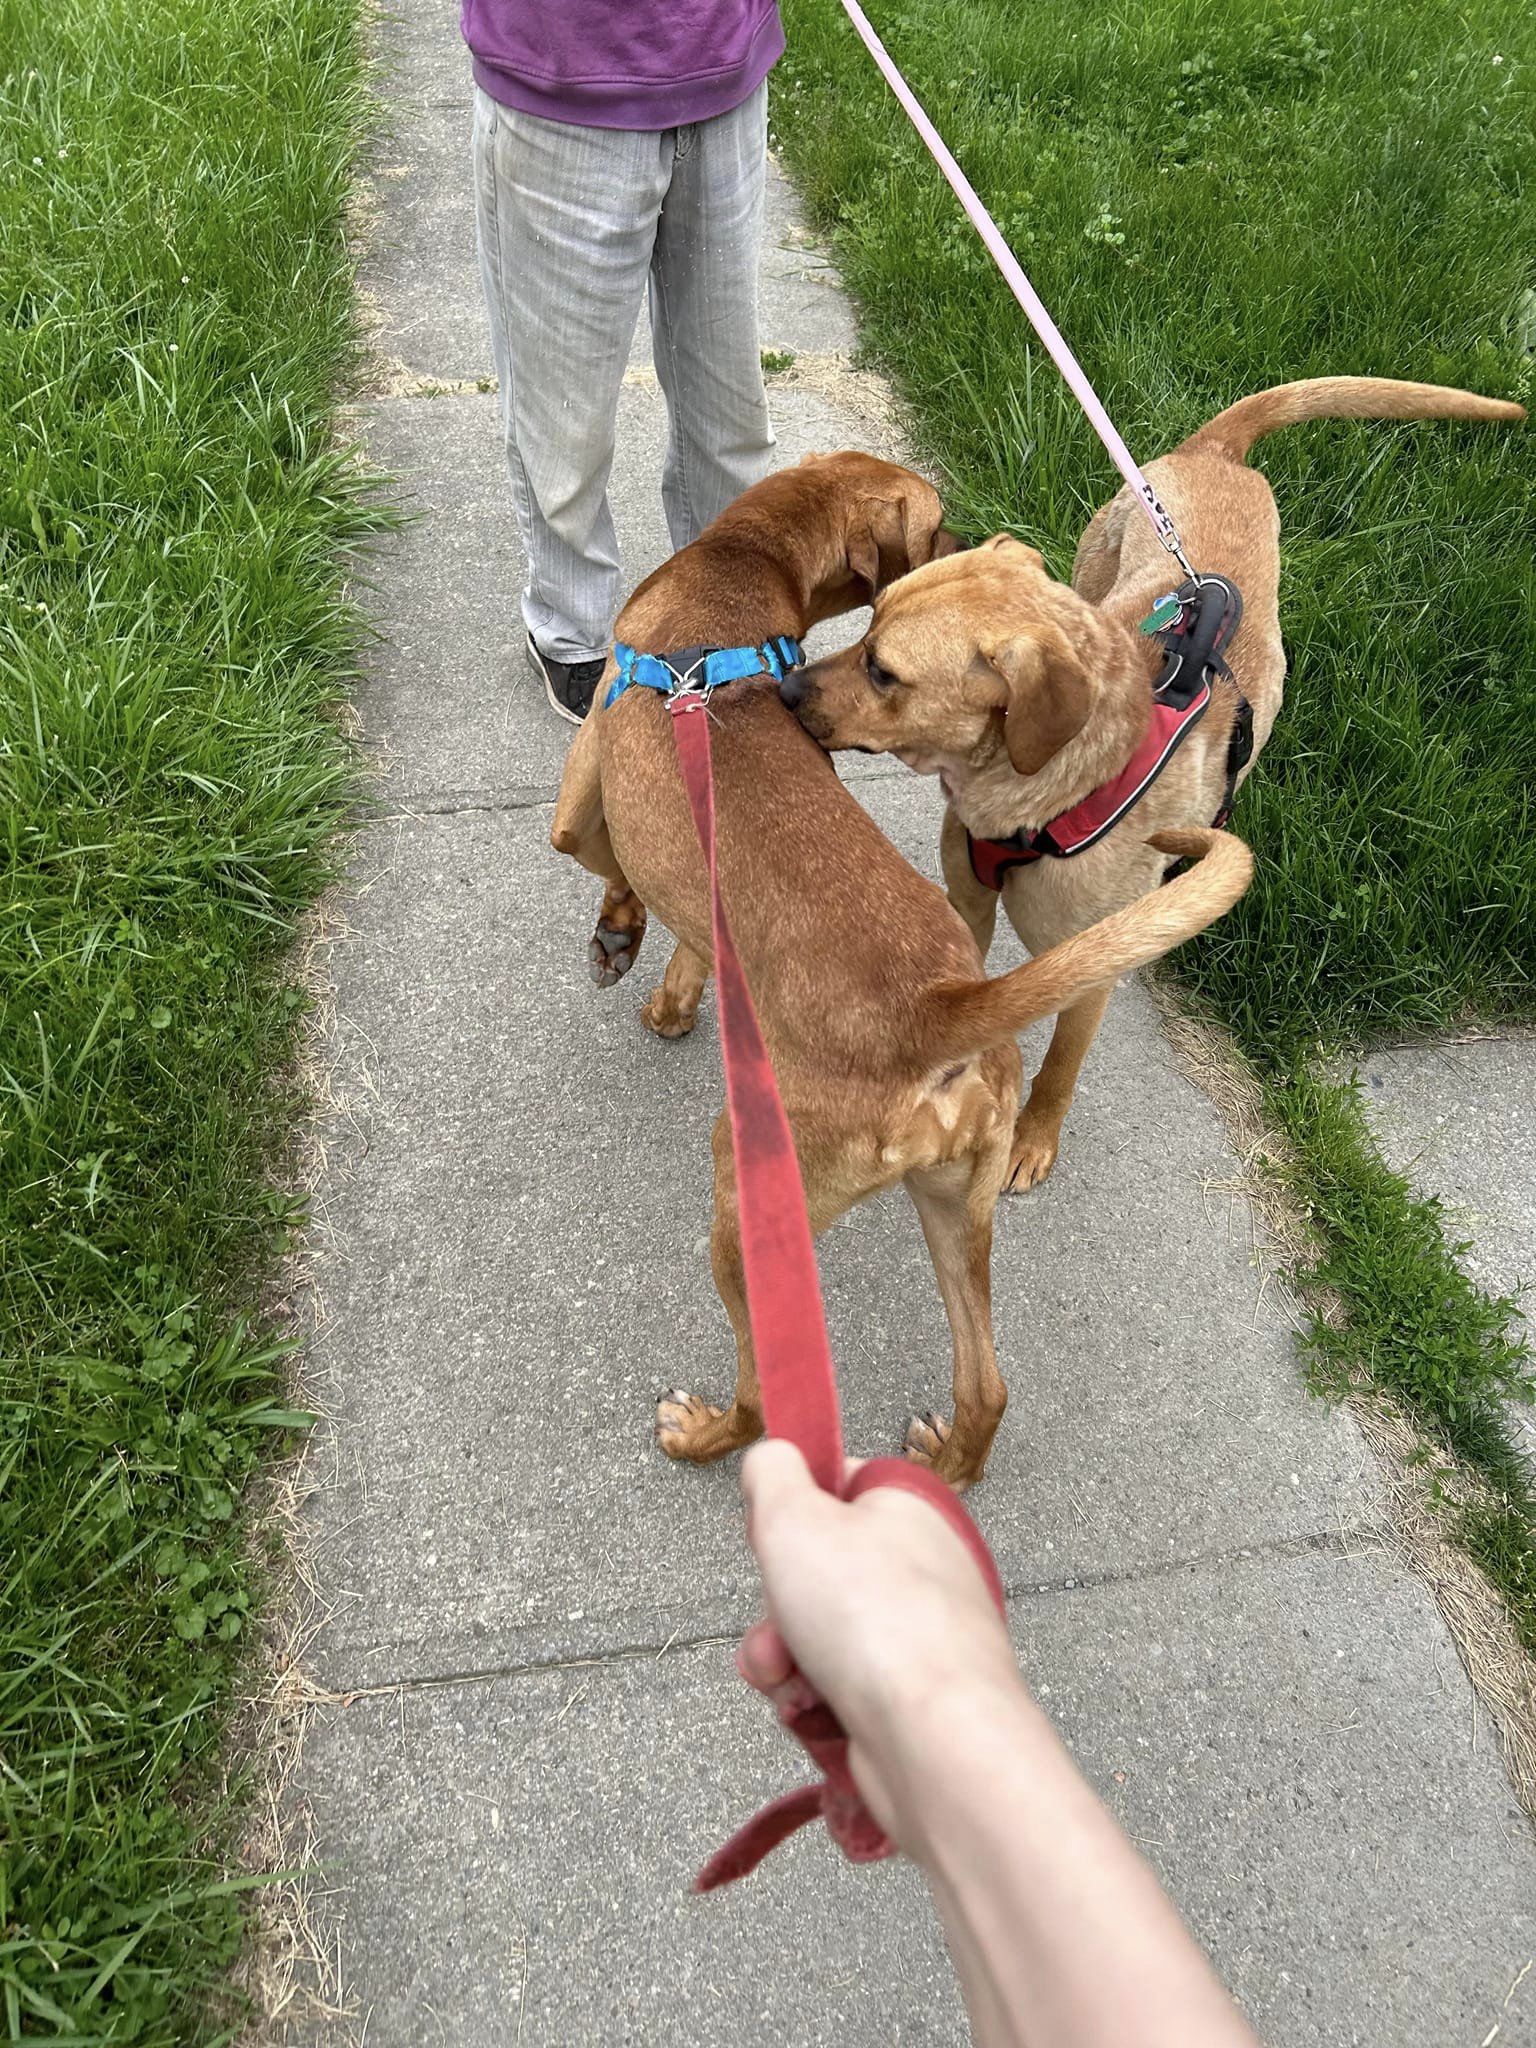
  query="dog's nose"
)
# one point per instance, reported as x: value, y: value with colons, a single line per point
x: 794, y: 689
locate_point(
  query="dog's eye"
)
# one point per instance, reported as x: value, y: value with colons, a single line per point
x: 881, y: 678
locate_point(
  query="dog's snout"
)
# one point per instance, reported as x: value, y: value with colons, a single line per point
x: 794, y: 689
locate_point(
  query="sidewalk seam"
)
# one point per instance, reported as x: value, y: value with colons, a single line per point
x: 409, y: 810
x: 1350, y: 1542
x: 411, y: 807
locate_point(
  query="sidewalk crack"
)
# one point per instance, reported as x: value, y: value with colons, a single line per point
x: 1348, y: 1542
x: 411, y: 808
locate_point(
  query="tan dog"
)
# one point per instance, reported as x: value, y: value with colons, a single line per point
x: 1023, y: 695
x: 895, y: 1056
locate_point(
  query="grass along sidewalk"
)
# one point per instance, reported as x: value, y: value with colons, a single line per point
x: 1209, y: 205
x: 173, y: 640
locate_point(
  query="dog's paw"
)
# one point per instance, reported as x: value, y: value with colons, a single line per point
x: 612, y: 951
x: 680, y: 1419
x: 1034, y: 1154
x: 926, y: 1437
x: 665, y: 1017
x: 930, y: 1442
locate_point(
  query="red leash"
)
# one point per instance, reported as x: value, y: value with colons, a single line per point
x: 794, y: 1359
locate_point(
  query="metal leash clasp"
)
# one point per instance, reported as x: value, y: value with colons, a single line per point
x: 687, y: 693
x: 1167, y: 532
x: 692, y: 690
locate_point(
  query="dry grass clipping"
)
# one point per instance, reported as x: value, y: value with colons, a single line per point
x: 292, y: 1969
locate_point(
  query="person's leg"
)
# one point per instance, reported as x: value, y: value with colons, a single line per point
x: 566, y: 223
x: 704, y: 316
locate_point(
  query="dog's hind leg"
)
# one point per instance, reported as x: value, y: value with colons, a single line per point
x: 976, y: 903
x: 954, y: 1203
x: 578, y: 825
x: 620, y: 928
x: 581, y: 830
x: 686, y: 1426
x: 1037, y: 1135
x: 673, y: 1006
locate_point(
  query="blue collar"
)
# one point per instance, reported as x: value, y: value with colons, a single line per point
x: 701, y: 669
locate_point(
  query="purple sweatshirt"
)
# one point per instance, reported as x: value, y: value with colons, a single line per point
x: 622, y: 63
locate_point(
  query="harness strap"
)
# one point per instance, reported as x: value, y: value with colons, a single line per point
x: 701, y: 668
x: 1209, y: 609
x: 1239, y: 754
x: 794, y: 1358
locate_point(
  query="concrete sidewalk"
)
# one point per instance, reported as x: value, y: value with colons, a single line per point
x: 532, y: 1610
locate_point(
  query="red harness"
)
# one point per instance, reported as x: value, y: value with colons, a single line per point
x: 1209, y: 610
x: 794, y: 1359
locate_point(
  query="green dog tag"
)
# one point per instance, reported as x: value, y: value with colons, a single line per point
x: 1162, y: 614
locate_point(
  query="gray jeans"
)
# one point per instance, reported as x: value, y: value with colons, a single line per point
x: 571, y: 221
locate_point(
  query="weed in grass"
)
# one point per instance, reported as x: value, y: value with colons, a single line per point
x: 777, y: 360
x: 174, y: 637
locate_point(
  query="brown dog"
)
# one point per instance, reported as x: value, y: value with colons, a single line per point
x: 895, y: 1056
x: 1024, y: 696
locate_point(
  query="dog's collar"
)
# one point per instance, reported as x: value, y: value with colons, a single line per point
x: 695, y: 671
x: 1194, y: 624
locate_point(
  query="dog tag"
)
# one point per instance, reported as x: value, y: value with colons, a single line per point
x: 1162, y: 614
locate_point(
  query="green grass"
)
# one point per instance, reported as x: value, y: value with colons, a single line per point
x: 174, y: 637
x: 1499, y: 1534
x: 1212, y: 201
x: 1415, y: 1325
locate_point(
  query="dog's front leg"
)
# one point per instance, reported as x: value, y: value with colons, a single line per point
x: 1037, y: 1135
x: 672, y: 1007
x: 620, y: 928
x: 579, y: 818
x: 976, y: 903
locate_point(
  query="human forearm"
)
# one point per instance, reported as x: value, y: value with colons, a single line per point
x: 1059, y: 1931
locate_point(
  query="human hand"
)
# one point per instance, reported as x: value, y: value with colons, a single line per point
x: 1059, y: 1931
x: 877, y: 1602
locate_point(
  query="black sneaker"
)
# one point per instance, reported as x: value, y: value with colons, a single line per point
x: 569, y: 685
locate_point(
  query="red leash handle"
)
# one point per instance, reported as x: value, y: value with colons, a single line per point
x: 794, y: 1358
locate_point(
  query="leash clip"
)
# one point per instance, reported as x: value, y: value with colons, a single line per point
x: 691, y: 689
x: 1169, y: 537
x: 688, y: 697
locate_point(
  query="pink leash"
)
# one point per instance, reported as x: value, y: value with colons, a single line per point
x: 1022, y: 289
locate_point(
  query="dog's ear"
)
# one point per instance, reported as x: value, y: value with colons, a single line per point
x: 922, y: 525
x: 878, y: 534
x: 1009, y: 544
x: 898, y: 534
x: 1047, y: 698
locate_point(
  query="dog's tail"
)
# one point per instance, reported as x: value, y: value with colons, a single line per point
x: 1233, y: 432
x: 966, y: 1017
